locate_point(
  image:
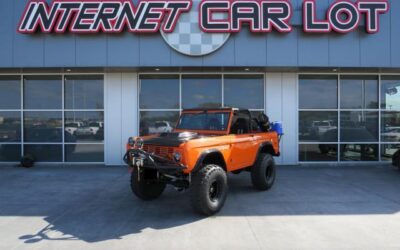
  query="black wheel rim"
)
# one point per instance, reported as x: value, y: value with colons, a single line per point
x: 269, y: 172
x: 214, y: 191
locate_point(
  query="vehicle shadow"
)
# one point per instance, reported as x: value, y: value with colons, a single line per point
x: 105, y: 209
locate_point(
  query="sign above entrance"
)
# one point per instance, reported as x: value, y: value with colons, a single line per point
x: 195, y: 27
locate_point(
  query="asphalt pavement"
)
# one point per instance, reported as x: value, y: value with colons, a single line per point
x: 92, y: 207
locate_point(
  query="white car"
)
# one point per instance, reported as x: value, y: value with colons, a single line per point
x: 321, y: 127
x: 160, y: 127
x: 91, y: 129
x: 71, y: 127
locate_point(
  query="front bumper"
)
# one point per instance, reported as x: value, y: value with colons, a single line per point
x: 142, y: 159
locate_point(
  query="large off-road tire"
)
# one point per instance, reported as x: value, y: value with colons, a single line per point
x: 146, y: 189
x: 208, y: 189
x: 263, y: 172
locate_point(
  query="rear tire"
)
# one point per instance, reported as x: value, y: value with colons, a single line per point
x: 146, y: 189
x: 263, y: 172
x: 208, y: 190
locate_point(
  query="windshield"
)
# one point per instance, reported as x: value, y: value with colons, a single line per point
x: 204, y: 121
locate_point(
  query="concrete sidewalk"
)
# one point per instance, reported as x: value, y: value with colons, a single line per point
x: 92, y: 208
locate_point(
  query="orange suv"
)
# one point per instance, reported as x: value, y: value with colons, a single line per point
x: 197, y: 155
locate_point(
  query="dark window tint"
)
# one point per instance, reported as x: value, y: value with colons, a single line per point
x: 318, y: 126
x: 318, y: 92
x: 10, y: 152
x: 44, y: 153
x: 159, y: 92
x: 318, y: 152
x: 359, y: 92
x: 201, y: 91
x: 388, y: 150
x: 10, y: 126
x: 43, y: 126
x: 43, y: 92
x: 155, y: 122
x: 10, y: 92
x: 84, y: 92
x: 390, y: 92
x: 82, y: 126
x: 390, y: 126
x: 84, y: 153
x: 357, y: 152
x: 244, y: 91
x: 358, y: 126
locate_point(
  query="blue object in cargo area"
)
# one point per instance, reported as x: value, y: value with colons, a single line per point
x: 277, y: 127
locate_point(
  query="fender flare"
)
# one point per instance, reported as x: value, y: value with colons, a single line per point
x: 203, y: 155
x: 263, y: 145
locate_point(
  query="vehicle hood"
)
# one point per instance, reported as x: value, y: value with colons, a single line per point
x: 173, y: 139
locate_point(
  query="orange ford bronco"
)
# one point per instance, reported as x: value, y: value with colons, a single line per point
x: 197, y: 155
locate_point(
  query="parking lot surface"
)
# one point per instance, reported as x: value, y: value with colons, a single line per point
x: 91, y: 207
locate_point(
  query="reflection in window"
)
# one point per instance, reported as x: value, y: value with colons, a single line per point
x: 84, y: 92
x: 159, y: 92
x: 84, y: 153
x: 388, y: 150
x: 318, y: 92
x: 359, y: 152
x: 82, y: 126
x: 390, y: 126
x: 155, y: 122
x: 10, y: 92
x: 317, y: 152
x: 42, y: 92
x: 201, y: 91
x: 244, y: 91
x: 358, y: 126
x: 318, y: 126
x: 359, y: 92
x: 10, y: 126
x: 390, y: 92
x: 10, y: 152
x: 43, y: 126
x: 44, y: 153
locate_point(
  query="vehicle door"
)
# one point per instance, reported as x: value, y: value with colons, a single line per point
x: 243, y: 143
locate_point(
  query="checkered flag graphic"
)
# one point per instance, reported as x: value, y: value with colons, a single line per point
x: 187, y: 38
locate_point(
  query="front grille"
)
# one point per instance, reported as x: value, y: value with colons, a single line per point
x: 159, y: 150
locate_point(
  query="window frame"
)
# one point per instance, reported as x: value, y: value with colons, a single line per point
x: 180, y: 74
x: 63, y: 143
x: 379, y: 109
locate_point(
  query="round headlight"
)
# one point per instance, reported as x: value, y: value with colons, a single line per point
x: 139, y: 143
x: 177, y: 156
x: 131, y: 142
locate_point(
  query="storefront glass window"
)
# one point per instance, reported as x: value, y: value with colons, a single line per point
x: 84, y: 126
x: 84, y: 92
x: 390, y: 92
x: 159, y: 114
x: 318, y: 92
x: 359, y: 92
x: 332, y: 132
x: 201, y: 91
x: 155, y: 122
x: 36, y: 128
x: 159, y: 92
x: 318, y: 126
x: 43, y: 92
x: 10, y: 152
x: 44, y: 152
x: 318, y: 152
x: 359, y: 126
x: 10, y: 126
x: 250, y: 97
x: 10, y: 92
